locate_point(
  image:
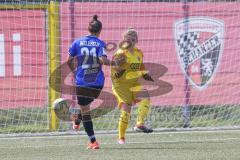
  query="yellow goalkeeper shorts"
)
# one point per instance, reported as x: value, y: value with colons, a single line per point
x: 126, y: 93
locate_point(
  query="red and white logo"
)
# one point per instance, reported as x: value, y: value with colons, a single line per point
x: 16, y: 50
x: 199, y: 44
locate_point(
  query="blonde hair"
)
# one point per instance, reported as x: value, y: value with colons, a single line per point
x: 125, y: 43
x: 130, y: 32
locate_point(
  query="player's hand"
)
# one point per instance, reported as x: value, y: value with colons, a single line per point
x: 147, y: 77
x: 125, y: 44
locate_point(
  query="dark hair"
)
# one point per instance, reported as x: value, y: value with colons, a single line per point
x: 95, y: 25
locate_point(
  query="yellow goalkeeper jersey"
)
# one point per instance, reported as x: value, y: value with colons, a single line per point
x: 132, y: 70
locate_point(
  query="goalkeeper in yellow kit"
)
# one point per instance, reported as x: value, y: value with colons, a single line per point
x: 126, y: 86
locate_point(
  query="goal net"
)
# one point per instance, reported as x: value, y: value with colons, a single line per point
x: 190, y: 48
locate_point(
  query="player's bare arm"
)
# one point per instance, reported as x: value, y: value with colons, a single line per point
x: 116, y: 62
x: 70, y: 63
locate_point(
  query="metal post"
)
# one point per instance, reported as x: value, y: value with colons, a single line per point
x: 187, y: 90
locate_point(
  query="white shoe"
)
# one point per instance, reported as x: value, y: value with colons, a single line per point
x: 121, y: 141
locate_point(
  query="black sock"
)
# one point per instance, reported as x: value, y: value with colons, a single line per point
x: 88, y: 125
x: 79, y: 119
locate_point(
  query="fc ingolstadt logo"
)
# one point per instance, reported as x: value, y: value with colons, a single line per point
x: 199, y: 45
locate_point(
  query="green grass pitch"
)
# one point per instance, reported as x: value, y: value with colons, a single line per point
x: 183, y: 145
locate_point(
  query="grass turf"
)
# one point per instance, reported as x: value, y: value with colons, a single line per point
x: 194, y: 145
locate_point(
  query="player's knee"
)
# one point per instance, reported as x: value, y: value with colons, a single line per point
x: 125, y: 107
x: 85, y: 110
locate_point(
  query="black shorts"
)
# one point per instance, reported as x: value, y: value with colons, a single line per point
x: 85, y: 95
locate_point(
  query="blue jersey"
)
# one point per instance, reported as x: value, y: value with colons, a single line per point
x: 88, y: 49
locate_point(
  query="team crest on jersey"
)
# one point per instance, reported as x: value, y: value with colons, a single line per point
x: 199, y: 45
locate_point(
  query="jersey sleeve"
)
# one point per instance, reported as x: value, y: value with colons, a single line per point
x: 118, y: 53
x: 102, y: 50
x: 72, y: 49
x: 121, y: 54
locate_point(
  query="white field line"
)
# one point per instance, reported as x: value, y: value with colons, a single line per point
x: 204, y: 140
x: 72, y: 134
x: 160, y: 142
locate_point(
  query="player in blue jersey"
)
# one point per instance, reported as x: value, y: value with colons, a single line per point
x: 89, y: 77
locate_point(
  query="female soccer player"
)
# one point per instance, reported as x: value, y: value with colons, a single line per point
x: 125, y: 84
x: 89, y: 77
